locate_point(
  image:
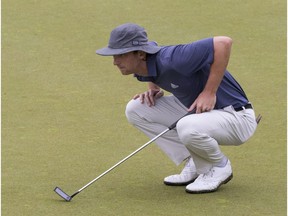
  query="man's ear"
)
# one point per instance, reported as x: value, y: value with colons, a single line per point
x: 142, y: 55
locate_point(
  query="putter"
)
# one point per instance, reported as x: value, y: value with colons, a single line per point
x: 68, y: 198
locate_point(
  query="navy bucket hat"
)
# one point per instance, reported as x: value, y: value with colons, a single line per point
x: 126, y: 38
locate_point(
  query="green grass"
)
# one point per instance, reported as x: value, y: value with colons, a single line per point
x: 63, y: 119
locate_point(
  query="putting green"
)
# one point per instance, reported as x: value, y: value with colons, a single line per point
x: 63, y: 119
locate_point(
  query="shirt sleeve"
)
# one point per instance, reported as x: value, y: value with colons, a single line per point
x: 191, y: 58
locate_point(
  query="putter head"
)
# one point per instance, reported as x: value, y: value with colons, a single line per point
x: 62, y: 194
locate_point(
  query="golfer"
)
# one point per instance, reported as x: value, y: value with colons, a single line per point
x: 196, y: 76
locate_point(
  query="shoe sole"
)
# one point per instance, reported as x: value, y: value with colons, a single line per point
x: 179, y: 183
x: 210, y: 191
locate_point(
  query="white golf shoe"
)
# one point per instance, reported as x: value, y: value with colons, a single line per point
x: 212, y: 180
x: 187, y: 176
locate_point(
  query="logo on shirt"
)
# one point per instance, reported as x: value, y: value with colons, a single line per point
x: 174, y: 86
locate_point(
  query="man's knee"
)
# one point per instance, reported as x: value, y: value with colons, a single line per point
x: 189, y: 132
x: 131, y: 110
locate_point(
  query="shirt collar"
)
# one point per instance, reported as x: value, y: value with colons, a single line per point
x: 151, y: 65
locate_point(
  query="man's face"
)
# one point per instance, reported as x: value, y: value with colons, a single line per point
x: 127, y: 63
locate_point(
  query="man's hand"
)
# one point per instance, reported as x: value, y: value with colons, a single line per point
x: 149, y: 97
x: 205, y: 102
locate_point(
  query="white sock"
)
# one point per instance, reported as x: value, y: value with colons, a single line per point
x: 223, y: 162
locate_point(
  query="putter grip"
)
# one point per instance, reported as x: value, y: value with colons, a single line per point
x: 175, y: 123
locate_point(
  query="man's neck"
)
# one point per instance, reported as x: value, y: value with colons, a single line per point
x: 142, y: 70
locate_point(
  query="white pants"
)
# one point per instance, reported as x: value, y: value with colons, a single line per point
x: 197, y: 135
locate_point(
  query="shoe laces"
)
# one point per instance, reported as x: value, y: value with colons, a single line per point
x: 208, y: 174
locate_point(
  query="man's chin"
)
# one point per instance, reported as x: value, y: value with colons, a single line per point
x: 124, y: 72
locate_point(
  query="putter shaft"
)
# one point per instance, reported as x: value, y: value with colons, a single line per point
x: 68, y: 198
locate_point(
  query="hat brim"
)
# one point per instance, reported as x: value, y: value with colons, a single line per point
x: 107, y: 51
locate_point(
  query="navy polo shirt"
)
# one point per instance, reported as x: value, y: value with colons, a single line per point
x: 183, y: 70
